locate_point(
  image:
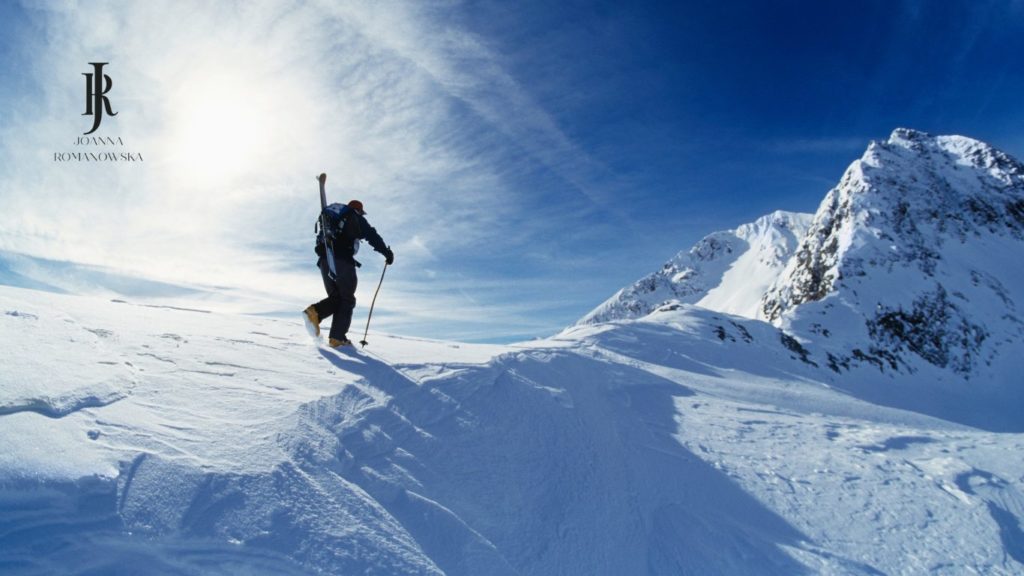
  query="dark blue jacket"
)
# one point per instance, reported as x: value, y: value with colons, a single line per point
x: 356, y: 228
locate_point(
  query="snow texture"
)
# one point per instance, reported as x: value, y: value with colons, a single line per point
x: 722, y: 422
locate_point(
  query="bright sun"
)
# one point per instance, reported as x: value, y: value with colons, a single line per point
x: 221, y: 129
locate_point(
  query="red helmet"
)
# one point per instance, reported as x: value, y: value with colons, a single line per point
x: 357, y: 206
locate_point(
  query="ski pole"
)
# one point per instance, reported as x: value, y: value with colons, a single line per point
x: 363, y: 342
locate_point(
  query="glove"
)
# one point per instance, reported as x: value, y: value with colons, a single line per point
x: 319, y: 249
x: 389, y: 256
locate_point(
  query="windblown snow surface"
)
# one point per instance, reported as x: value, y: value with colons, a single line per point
x: 146, y: 440
x: 686, y: 440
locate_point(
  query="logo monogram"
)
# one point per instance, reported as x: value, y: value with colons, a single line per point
x: 97, y: 84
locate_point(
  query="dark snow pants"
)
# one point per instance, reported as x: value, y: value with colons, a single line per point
x: 341, y: 295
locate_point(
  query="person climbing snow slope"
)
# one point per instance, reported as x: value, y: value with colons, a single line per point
x: 342, y: 227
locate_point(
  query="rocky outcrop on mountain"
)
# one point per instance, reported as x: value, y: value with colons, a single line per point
x: 919, y: 242
x: 898, y: 206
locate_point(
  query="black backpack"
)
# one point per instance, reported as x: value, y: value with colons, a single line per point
x: 331, y: 223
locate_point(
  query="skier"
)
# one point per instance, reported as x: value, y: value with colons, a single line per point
x: 341, y: 290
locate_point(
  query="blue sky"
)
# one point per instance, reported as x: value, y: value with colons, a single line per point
x: 524, y: 159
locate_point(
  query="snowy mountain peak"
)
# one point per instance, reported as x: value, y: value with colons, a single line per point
x: 726, y: 271
x: 772, y: 224
x: 959, y: 149
x: 908, y: 135
x: 909, y: 263
x: 917, y: 245
x: 900, y: 204
x: 933, y: 152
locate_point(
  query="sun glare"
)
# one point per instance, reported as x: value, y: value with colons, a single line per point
x: 221, y: 128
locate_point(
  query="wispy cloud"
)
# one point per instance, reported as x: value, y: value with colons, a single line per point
x: 236, y: 107
x: 462, y: 65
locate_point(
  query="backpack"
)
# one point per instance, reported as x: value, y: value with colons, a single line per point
x: 332, y: 222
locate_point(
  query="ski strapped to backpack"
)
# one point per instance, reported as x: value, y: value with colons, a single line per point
x: 320, y: 229
x: 330, y: 227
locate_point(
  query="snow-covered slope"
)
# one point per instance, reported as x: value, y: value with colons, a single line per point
x: 156, y: 440
x: 726, y: 271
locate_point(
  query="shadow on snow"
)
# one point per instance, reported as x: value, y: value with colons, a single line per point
x: 550, y: 463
